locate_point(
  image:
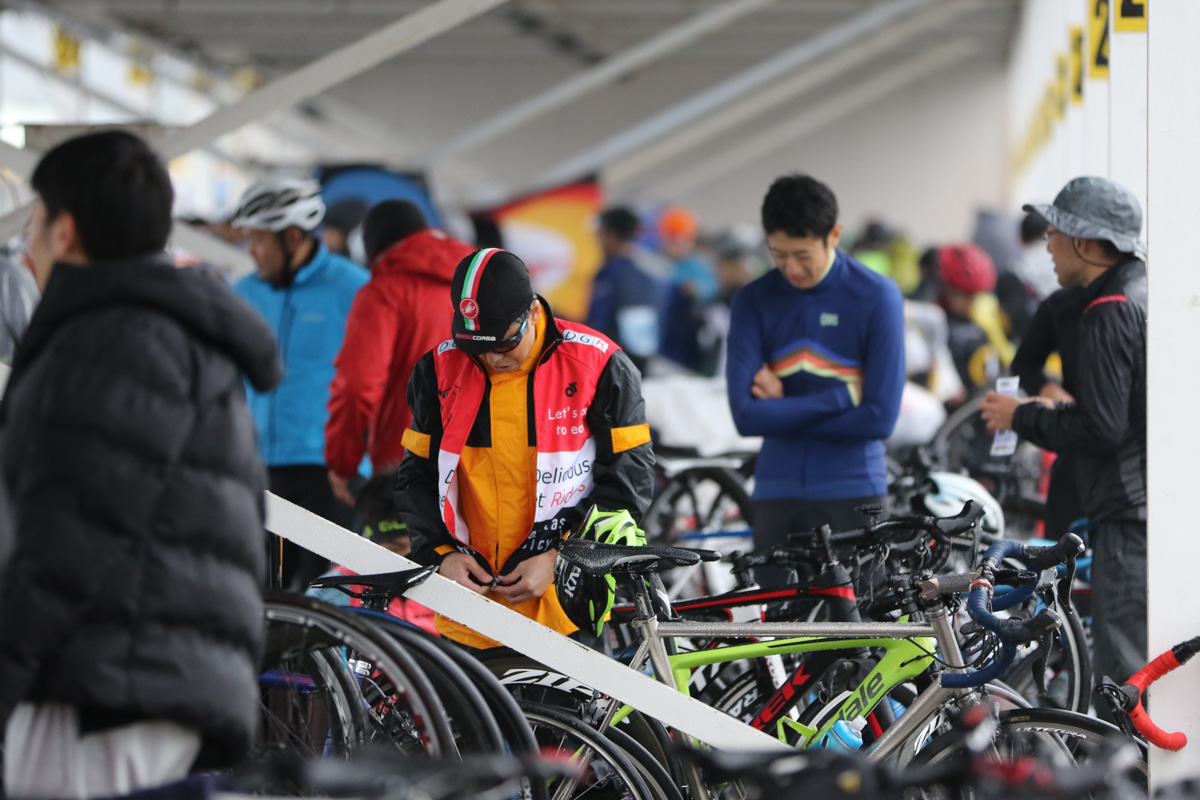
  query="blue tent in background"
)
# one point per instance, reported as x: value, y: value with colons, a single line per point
x: 371, y: 184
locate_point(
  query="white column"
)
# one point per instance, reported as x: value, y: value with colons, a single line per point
x: 1174, y: 382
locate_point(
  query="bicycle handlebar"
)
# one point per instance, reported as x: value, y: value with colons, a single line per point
x: 1173, y: 659
x: 957, y: 525
x: 1035, y: 557
x: 1010, y: 631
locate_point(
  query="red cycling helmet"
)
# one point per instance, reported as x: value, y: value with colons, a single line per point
x: 967, y: 268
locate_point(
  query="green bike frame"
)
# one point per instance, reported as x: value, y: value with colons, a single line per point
x: 903, y: 660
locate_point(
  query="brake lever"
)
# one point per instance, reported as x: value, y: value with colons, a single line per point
x: 1065, y: 585
x: 1121, y: 699
x: 1045, y: 643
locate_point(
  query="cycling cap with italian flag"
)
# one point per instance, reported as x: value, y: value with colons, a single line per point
x: 490, y: 291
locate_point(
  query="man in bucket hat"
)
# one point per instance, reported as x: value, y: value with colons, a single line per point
x: 1092, y: 232
x: 520, y: 421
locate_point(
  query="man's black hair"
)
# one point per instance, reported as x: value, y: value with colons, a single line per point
x: 1033, y: 228
x: 1111, y: 251
x: 800, y: 206
x: 115, y: 187
x: 389, y: 222
x: 622, y: 222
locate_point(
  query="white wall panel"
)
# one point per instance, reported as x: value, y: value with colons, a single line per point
x: 1173, y: 137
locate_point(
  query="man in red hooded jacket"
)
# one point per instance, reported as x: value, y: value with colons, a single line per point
x: 401, y: 314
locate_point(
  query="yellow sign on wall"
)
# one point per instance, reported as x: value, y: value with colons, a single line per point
x: 1098, y: 39
x: 141, y: 74
x: 1063, y: 90
x: 66, y: 52
x: 1131, y: 16
x: 1077, y: 51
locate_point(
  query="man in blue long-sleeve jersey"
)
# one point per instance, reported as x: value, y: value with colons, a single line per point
x: 816, y: 367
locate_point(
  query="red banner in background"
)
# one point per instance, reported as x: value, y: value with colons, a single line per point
x: 554, y: 233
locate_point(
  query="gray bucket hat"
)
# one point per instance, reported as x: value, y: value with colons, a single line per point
x: 1096, y: 208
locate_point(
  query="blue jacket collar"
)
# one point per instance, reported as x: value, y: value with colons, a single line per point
x: 833, y: 277
x: 320, y: 261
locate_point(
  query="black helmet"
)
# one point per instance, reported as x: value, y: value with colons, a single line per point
x: 587, y: 599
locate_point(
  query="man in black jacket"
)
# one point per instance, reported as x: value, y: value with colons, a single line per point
x: 130, y: 615
x: 1055, y: 329
x: 1092, y: 234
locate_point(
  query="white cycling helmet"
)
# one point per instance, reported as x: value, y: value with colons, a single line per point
x: 276, y: 204
x: 954, y: 490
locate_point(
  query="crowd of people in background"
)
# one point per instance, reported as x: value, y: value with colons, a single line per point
x: 149, y: 408
x: 662, y: 291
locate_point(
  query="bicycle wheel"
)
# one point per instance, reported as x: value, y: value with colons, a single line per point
x: 329, y: 683
x: 605, y: 770
x: 471, y: 719
x: 745, y: 695
x: 1065, y: 738
x: 308, y: 704
x: 959, y: 439
x: 518, y: 738
x: 660, y: 782
x: 706, y: 507
x: 530, y: 682
x: 963, y: 444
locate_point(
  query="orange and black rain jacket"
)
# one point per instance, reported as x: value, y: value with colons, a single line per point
x: 500, y: 466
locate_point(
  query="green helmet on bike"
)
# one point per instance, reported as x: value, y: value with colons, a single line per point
x: 587, y: 599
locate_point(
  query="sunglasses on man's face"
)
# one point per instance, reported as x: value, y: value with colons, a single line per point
x: 512, y: 342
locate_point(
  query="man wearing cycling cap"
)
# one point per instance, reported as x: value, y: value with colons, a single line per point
x: 1092, y: 231
x: 520, y: 421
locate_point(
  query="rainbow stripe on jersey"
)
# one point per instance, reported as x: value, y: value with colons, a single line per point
x: 808, y: 356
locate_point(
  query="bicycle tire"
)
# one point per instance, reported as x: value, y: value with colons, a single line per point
x: 319, y: 716
x: 518, y: 738
x: 744, y: 696
x: 574, y: 699
x: 1070, y: 737
x: 661, y: 783
x: 730, y: 483
x: 471, y: 719
x: 608, y: 773
x: 962, y: 444
x: 404, y: 710
x: 964, y: 414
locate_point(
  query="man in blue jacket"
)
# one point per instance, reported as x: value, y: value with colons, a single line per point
x: 304, y: 292
x: 816, y: 367
x: 625, y: 300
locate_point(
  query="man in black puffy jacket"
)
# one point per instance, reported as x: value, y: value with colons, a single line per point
x: 1092, y: 234
x: 130, y: 615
